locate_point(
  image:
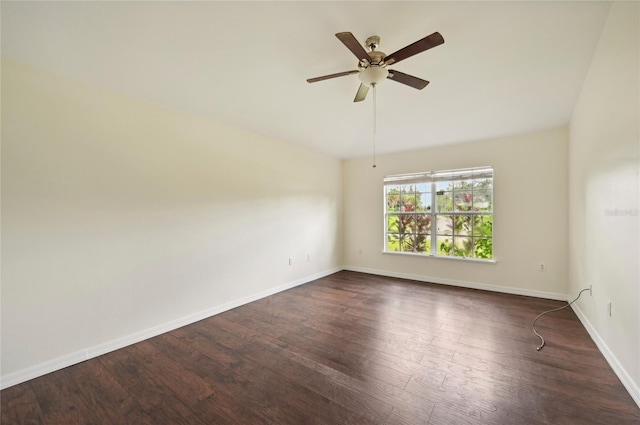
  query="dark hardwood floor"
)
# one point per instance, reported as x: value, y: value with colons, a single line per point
x: 350, y: 348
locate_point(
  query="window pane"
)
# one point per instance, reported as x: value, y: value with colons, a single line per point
x: 444, y: 225
x: 463, y: 247
x: 444, y: 245
x: 482, y: 200
x: 407, y: 223
x: 407, y: 242
x: 423, y: 187
x: 393, y: 223
x: 463, y: 200
x: 483, y: 248
x: 407, y: 189
x: 422, y: 244
x: 393, y: 201
x: 444, y: 201
x: 483, y: 225
x: 393, y: 242
x: 401, y: 223
x: 462, y: 225
x: 482, y: 184
x: 397, y: 242
x: 423, y: 223
x: 408, y: 202
x: 463, y: 184
x: 423, y: 202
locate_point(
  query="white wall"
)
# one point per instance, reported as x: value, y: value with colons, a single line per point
x: 604, y: 200
x: 530, y: 216
x: 122, y: 219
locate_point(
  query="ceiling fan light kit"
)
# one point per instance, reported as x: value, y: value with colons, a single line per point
x: 372, y: 75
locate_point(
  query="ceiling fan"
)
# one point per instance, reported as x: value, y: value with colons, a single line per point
x: 372, y: 65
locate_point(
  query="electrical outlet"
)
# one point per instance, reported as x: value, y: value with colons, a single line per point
x: 609, y: 308
x: 290, y: 261
x: 542, y: 267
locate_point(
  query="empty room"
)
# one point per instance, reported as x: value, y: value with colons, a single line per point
x: 311, y: 212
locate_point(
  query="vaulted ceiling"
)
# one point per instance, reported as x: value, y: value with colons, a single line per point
x: 505, y: 67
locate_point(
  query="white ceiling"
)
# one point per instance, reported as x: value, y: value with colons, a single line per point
x: 505, y: 68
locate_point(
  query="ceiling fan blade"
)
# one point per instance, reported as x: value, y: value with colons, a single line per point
x: 409, y: 80
x: 326, y: 77
x: 419, y: 46
x: 362, y: 93
x: 352, y: 44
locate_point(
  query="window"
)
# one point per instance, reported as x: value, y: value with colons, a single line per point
x: 442, y: 213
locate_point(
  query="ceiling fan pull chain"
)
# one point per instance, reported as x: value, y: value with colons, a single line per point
x: 375, y: 130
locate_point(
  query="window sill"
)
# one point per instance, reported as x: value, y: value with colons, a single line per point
x: 442, y: 257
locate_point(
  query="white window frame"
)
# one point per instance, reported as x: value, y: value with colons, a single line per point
x: 432, y: 180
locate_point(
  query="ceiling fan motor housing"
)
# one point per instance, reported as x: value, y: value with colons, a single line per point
x: 372, y: 42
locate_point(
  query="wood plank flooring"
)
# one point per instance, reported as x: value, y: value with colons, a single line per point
x: 350, y: 348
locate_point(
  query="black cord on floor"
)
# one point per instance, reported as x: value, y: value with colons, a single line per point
x: 550, y: 311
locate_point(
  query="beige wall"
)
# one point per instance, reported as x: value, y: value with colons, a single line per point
x: 121, y: 219
x: 604, y: 200
x: 530, y: 217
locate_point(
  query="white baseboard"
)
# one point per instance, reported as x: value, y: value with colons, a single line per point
x: 625, y: 378
x: 464, y: 284
x: 70, y: 359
